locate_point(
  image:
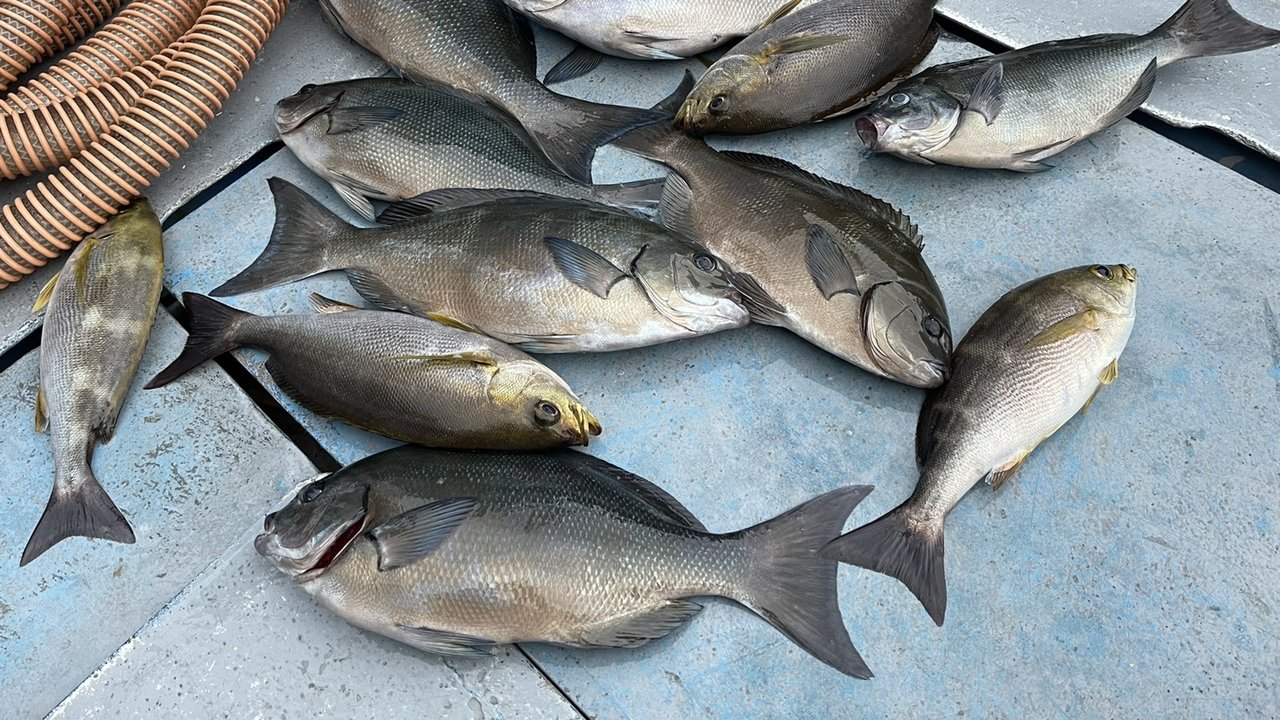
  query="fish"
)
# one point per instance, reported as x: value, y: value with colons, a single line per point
x: 454, y: 553
x: 817, y: 62
x: 575, y: 276
x: 646, y: 29
x: 832, y: 264
x: 401, y: 376
x: 481, y: 47
x: 390, y: 139
x: 1016, y: 109
x: 1032, y: 361
x: 99, y: 310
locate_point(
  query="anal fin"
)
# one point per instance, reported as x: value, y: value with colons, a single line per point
x: 42, y: 411
x: 443, y: 642
x: 640, y: 628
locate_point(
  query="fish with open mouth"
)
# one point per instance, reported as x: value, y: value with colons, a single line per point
x: 1017, y: 109
x: 397, y: 375
x: 390, y: 139
x: 454, y: 553
x: 1035, y: 359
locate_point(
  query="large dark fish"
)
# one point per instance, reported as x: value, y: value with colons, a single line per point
x: 401, y: 376
x: 817, y: 62
x: 832, y: 264
x: 99, y: 315
x: 546, y: 274
x: 389, y: 139
x: 479, y: 46
x: 1016, y: 109
x: 1033, y: 360
x: 454, y: 553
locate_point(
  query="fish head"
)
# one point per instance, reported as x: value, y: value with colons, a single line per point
x: 541, y: 402
x: 907, y: 332
x: 712, y: 106
x: 910, y: 122
x: 690, y: 287
x: 309, y: 103
x: 312, y: 530
x: 1113, y: 288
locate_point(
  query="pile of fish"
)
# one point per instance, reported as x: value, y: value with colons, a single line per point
x: 491, y: 242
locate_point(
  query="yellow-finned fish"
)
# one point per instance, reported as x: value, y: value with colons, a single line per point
x: 99, y: 312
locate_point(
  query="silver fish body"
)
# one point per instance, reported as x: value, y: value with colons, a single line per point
x: 398, y: 375
x: 650, y: 29
x: 391, y: 140
x: 478, y: 46
x: 98, y: 317
x: 834, y: 265
x: 816, y: 62
x: 551, y: 547
x: 546, y: 274
x: 1018, y: 108
x: 1030, y: 363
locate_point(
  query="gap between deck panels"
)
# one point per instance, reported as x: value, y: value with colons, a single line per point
x: 1207, y: 142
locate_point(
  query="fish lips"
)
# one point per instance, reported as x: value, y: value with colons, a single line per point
x: 266, y: 542
x: 870, y: 129
x: 292, y: 112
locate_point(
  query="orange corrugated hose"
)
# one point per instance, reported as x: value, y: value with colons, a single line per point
x: 137, y: 34
x: 202, y: 69
x: 33, y: 30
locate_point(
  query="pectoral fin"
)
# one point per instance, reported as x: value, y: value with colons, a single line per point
x: 987, y: 97
x: 583, y: 266
x: 351, y: 119
x: 81, y: 268
x: 46, y: 292
x: 451, y: 322
x: 474, y: 357
x: 828, y: 265
x: 443, y: 642
x: 796, y: 43
x: 1068, y: 327
x: 997, y: 477
x: 1110, y: 372
x: 414, y: 534
x: 778, y: 14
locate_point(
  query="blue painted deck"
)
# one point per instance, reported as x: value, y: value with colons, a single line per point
x: 1129, y: 570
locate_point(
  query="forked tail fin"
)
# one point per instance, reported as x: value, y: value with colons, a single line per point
x: 212, y: 332
x: 77, y: 507
x: 569, y: 135
x: 1213, y: 27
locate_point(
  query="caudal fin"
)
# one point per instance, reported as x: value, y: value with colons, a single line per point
x: 793, y: 587
x: 300, y: 245
x: 212, y: 332
x: 570, y: 134
x: 81, y: 508
x: 654, y: 141
x: 1213, y: 27
x: 892, y: 546
x: 640, y: 195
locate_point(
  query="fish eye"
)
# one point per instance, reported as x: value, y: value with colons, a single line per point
x: 1102, y: 271
x: 704, y: 262
x: 717, y: 104
x: 546, y: 413
x: 899, y: 98
x: 312, y: 491
x: 932, y: 326
x: 306, y: 89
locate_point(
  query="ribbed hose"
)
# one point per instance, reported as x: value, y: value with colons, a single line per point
x: 32, y: 30
x: 79, y: 196
x: 141, y: 31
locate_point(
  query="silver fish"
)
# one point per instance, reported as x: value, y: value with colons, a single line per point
x: 1035, y: 359
x: 478, y: 46
x: 454, y: 553
x: 574, y: 276
x: 1017, y: 109
x: 832, y: 264
x: 389, y: 139
x: 100, y: 309
x: 398, y: 375
x: 816, y: 62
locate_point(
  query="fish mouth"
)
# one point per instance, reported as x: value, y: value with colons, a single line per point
x: 288, y: 118
x: 869, y: 132
x: 1129, y: 273
x: 689, y: 121
x: 587, y: 425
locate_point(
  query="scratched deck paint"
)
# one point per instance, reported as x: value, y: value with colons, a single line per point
x: 1130, y: 569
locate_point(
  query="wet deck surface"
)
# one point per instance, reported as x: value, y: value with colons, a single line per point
x: 1129, y: 570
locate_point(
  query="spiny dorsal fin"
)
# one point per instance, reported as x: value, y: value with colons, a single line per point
x: 472, y: 357
x: 655, y: 496
x: 46, y: 292
x: 322, y: 304
x: 872, y: 206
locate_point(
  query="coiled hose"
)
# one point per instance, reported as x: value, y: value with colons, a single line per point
x: 34, y: 30
x: 185, y: 86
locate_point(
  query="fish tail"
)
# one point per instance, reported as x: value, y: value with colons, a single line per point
x: 898, y: 548
x: 641, y: 195
x: 1213, y: 27
x: 212, y: 331
x: 80, y: 508
x: 301, y: 243
x: 571, y: 145
x: 653, y: 142
x: 793, y: 587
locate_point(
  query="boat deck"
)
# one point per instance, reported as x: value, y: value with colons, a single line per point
x: 1132, y: 568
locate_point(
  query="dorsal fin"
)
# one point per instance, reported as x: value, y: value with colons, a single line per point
x: 659, y: 499
x: 872, y: 206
